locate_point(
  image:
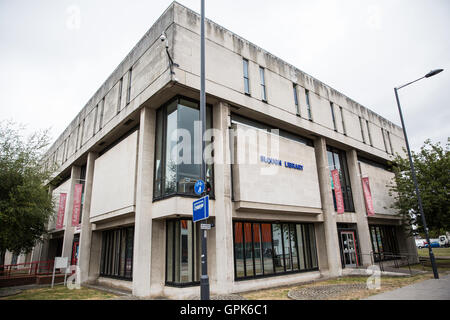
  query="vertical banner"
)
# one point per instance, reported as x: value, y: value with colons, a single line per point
x: 77, y: 205
x: 338, y: 191
x: 61, y: 210
x: 368, y: 197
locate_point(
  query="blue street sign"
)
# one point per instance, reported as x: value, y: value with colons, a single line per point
x: 199, y: 187
x: 201, y: 209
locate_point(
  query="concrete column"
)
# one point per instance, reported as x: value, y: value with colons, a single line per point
x: 223, y: 205
x: 329, y: 214
x: 86, y: 226
x: 365, y: 244
x: 144, y: 196
x: 95, y: 256
x: 69, y: 230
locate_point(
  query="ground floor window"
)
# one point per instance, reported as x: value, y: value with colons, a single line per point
x: 266, y: 249
x: 384, y: 242
x: 117, y: 253
x: 182, y: 253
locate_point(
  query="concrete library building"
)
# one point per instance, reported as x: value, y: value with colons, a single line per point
x: 299, y: 172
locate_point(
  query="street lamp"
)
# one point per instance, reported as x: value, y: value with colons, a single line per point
x: 413, y: 171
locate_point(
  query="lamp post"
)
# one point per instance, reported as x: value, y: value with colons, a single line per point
x: 204, y: 279
x: 413, y: 171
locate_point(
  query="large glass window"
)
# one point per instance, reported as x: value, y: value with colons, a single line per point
x: 182, y: 253
x: 384, y: 242
x: 263, y: 249
x: 177, y: 157
x: 338, y: 161
x: 117, y: 253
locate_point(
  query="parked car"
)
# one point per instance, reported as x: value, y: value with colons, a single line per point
x: 420, y: 243
x: 434, y: 243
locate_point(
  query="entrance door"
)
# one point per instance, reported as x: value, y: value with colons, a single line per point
x: 348, y: 247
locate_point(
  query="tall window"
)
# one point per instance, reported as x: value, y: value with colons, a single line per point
x: 266, y: 249
x: 337, y: 160
x: 308, y: 106
x: 384, y: 140
x: 119, y: 99
x: 384, y: 242
x: 177, y: 155
x: 390, y: 141
x: 368, y: 133
x: 246, y: 77
x: 117, y: 253
x: 362, y: 130
x: 130, y: 74
x: 332, y: 116
x: 183, y: 251
x: 263, y: 84
x: 297, y: 106
x: 343, y: 121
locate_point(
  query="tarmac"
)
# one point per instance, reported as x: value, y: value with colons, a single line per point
x: 433, y: 289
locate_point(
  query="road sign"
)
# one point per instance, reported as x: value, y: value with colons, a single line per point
x: 204, y: 226
x: 201, y: 209
x: 199, y: 187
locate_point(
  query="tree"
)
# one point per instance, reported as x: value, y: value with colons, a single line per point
x: 25, y: 203
x: 432, y: 166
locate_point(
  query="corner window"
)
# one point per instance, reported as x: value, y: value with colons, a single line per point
x: 384, y: 242
x: 337, y: 160
x: 177, y: 160
x: 183, y: 249
x: 268, y: 249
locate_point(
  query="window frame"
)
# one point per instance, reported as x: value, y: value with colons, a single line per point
x: 344, y: 177
x: 246, y: 69
x: 308, y: 105
x: 262, y: 76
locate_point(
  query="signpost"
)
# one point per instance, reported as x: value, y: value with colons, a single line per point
x: 199, y: 187
x: 60, y: 263
x: 201, y: 209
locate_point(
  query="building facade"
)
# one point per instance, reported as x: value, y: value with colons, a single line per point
x: 277, y: 135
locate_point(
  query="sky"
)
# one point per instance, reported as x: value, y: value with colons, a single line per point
x: 55, y: 54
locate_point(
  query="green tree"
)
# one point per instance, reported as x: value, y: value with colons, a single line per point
x: 432, y: 166
x: 25, y: 203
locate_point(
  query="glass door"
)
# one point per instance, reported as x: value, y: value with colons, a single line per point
x: 348, y: 247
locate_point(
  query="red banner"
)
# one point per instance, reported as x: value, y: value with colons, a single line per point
x: 77, y: 205
x: 338, y: 191
x: 61, y: 210
x: 368, y: 197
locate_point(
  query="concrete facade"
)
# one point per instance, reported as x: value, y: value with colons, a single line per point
x: 115, y: 137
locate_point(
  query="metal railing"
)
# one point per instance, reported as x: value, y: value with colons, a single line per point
x: 26, y: 269
x: 387, y: 259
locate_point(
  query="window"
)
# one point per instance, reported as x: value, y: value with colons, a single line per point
x: 178, y: 162
x: 117, y: 253
x: 337, y: 160
x: 308, y: 106
x: 183, y: 249
x: 268, y: 249
x: 390, y: 142
x: 384, y: 140
x: 263, y: 84
x: 119, y: 99
x: 102, y: 110
x: 246, y: 77
x: 297, y: 106
x: 130, y: 74
x: 332, y: 116
x: 362, y: 130
x: 368, y: 132
x: 384, y: 242
x: 343, y: 122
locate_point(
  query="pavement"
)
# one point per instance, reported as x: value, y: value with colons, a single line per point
x: 433, y: 289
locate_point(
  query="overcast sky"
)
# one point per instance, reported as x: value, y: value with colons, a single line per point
x: 54, y: 54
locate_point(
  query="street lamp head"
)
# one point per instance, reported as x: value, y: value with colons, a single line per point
x: 433, y: 73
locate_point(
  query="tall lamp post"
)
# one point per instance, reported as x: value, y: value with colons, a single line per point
x: 413, y: 171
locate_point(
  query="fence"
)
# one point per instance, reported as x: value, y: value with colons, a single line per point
x: 26, y: 269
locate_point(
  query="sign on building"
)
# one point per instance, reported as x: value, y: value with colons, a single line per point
x: 61, y: 210
x: 368, y: 197
x: 338, y: 191
x: 77, y: 204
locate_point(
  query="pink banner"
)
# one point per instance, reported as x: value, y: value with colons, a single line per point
x: 61, y: 210
x: 77, y: 205
x: 338, y: 191
x: 368, y: 197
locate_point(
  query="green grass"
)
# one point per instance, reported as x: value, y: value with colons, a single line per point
x: 61, y: 293
x: 438, y: 252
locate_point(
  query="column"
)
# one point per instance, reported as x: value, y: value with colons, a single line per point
x: 329, y: 214
x: 69, y: 230
x: 144, y: 197
x: 86, y: 226
x: 365, y: 244
x: 224, y: 264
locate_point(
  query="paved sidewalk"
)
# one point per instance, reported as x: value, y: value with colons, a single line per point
x: 426, y: 290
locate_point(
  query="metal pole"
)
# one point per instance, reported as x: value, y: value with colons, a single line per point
x: 204, y: 279
x: 413, y: 173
